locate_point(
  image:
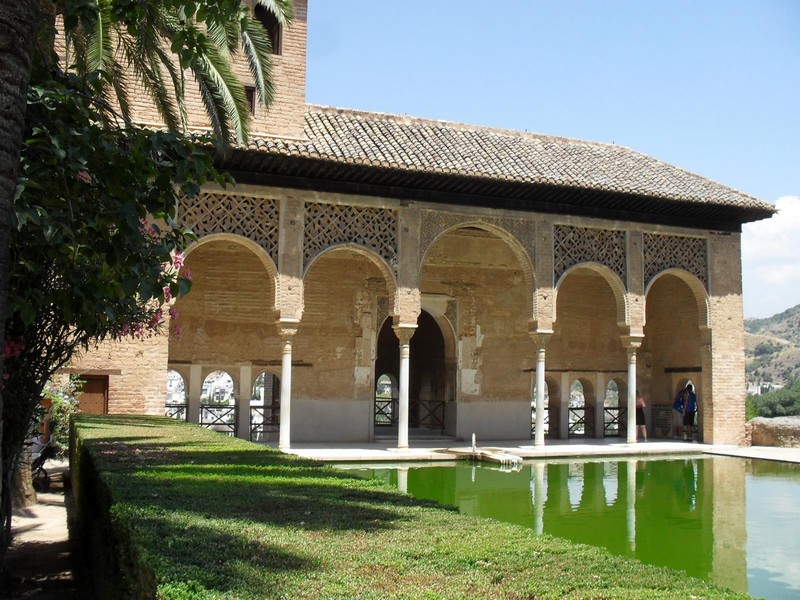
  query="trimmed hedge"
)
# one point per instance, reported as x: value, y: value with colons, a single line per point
x: 169, y: 510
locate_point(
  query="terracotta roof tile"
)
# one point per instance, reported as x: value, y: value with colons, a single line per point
x: 406, y: 143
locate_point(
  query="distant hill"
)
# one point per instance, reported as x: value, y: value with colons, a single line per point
x: 772, y: 348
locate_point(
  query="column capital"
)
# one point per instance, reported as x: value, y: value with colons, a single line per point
x: 631, y: 342
x: 404, y: 331
x: 539, y: 336
x: 287, y: 327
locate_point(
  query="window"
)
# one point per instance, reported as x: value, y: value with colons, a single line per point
x: 271, y: 26
x: 250, y: 95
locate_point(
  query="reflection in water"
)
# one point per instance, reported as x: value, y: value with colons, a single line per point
x: 688, y: 514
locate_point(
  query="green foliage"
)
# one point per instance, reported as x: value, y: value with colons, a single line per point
x: 176, y: 511
x: 124, y: 41
x: 63, y: 399
x: 766, y: 348
x: 780, y: 403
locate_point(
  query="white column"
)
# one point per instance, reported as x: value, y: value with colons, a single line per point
x: 563, y: 419
x: 631, y: 344
x: 243, y: 402
x: 404, y: 334
x: 600, y: 405
x: 541, y: 342
x: 631, y: 395
x: 195, y: 391
x: 284, y: 438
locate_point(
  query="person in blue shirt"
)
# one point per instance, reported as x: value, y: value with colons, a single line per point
x: 689, y: 412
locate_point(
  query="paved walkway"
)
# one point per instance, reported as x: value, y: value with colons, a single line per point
x: 442, y: 449
x: 39, y: 564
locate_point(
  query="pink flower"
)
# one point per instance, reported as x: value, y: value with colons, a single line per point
x: 187, y: 274
x: 177, y: 261
x: 173, y: 313
x: 83, y: 176
x: 156, y: 318
x: 167, y: 294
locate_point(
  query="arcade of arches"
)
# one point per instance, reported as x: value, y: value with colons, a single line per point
x: 477, y: 318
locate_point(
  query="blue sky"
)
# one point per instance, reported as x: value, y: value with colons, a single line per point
x: 711, y: 86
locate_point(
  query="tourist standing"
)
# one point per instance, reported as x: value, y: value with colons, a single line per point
x: 641, y: 424
x: 689, y: 412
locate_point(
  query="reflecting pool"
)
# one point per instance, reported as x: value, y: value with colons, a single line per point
x: 732, y: 521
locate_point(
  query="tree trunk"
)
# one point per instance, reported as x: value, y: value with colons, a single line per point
x: 18, y: 20
x: 22, y: 493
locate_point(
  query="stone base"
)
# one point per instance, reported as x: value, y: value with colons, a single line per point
x: 782, y: 432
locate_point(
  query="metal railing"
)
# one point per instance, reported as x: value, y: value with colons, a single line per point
x: 614, y: 421
x: 421, y: 413
x: 577, y: 422
x: 546, y: 421
x: 264, y: 420
x: 219, y: 418
x: 176, y: 411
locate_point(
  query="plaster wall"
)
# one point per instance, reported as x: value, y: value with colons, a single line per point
x: 495, y: 420
x: 331, y: 419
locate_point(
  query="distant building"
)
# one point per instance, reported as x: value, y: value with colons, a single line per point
x: 462, y: 262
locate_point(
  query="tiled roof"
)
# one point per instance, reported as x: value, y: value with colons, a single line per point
x: 439, y: 147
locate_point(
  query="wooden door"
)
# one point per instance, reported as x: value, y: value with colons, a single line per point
x: 94, y: 398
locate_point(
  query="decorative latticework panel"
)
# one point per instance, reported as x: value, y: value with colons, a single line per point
x: 575, y: 245
x: 253, y: 218
x: 327, y: 225
x: 662, y: 252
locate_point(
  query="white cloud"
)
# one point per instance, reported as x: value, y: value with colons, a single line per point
x: 771, y: 261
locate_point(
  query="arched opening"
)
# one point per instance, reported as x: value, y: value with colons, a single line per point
x: 386, y: 395
x: 218, y: 402
x: 428, y: 378
x: 175, y: 405
x: 581, y: 407
x: 349, y: 291
x: 550, y: 408
x: 226, y: 321
x: 265, y: 407
x: 671, y: 348
x: 478, y: 277
x: 615, y: 408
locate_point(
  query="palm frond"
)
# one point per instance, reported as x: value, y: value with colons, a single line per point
x: 100, y: 46
x: 208, y: 95
x: 228, y: 92
x: 119, y: 83
x: 282, y: 9
x: 257, y: 52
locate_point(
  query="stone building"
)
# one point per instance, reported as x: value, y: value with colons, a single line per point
x: 374, y: 275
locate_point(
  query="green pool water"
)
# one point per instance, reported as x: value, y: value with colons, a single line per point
x: 732, y: 521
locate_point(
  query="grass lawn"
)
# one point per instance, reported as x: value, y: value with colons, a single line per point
x: 200, y: 515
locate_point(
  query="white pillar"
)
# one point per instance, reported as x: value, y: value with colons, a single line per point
x: 195, y: 391
x: 632, y: 395
x: 631, y: 344
x: 243, y: 402
x: 404, y: 334
x: 541, y: 342
x: 284, y: 438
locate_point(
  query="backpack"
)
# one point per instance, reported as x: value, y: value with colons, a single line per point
x: 678, y: 404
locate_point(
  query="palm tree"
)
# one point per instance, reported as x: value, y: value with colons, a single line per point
x: 116, y: 43
x: 163, y: 42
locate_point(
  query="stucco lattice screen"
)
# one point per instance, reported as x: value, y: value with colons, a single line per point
x: 328, y: 225
x: 662, y: 252
x: 253, y: 218
x: 575, y: 245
